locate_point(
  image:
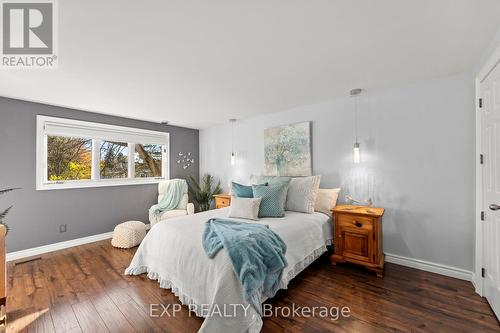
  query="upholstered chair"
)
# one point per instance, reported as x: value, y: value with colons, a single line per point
x: 184, y: 207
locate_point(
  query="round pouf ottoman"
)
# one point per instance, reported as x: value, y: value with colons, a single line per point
x: 128, y: 234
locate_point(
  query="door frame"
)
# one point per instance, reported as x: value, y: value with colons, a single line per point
x: 490, y: 64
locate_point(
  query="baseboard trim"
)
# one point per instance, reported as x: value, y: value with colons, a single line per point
x: 478, y: 283
x: 35, y: 251
x: 428, y: 266
x: 392, y: 258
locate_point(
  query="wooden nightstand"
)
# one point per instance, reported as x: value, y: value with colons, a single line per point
x: 222, y: 200
x: 358, y: 236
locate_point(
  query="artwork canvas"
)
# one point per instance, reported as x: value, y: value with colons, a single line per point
x: 287, y: 150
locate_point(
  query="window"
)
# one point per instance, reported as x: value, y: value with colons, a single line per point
x: 72, y: 154
x: 113, y: 160
x: 68, y: 158
x: 148, y: 160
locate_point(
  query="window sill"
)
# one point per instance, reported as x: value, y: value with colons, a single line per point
x: 95, y: 183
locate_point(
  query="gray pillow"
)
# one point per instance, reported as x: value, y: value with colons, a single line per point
x: 302, y: 194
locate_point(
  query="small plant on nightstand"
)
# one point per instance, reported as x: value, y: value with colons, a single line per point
x: 202, y: 192
x: 4, y: 213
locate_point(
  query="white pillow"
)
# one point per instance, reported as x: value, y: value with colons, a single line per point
x: 245, y: 208
x: 326, y: 200
x: 302, y: 193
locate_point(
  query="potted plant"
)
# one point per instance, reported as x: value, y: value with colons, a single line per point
x: 4, y: 213
x: 203, y: 192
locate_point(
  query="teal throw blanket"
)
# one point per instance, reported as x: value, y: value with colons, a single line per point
x: 175, y: 192
x: 256, y: 252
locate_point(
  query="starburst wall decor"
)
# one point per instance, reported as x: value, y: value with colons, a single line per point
x: 185, y: 159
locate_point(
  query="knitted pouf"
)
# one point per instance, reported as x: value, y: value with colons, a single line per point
x: 128, y: 234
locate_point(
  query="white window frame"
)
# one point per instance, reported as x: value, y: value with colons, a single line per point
x: 72, y: 128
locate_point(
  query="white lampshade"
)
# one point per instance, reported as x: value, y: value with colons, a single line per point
x: 355, y: 154
x: 356, y: 157
x: 233, y: 156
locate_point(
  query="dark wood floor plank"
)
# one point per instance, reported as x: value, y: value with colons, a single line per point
x: 60, y: 288
x: 107, y: 309
x: 40, y: 301
x: 138, y: 318
x: 64, y: 318
x: 42, y: 324
x: 88, y: 318
x: 83, y: 289
x: 114, y: 320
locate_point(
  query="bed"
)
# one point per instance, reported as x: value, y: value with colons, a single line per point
x: 172, y: 254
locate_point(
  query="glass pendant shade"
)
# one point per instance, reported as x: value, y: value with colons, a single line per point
x: 233, y: 156
x: 356, y: 157
x: 355, y: 153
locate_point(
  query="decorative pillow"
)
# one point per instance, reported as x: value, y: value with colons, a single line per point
x: 302, y: 193
x: 245, y: 208
x: 273, y: 199
x: 326, y: 200
x: 241, y: 191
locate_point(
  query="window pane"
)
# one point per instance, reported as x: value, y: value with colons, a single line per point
x: 113, y: 160
x: 68, y: 158
x: 148, y: 160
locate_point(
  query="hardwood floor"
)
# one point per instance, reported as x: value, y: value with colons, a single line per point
x: 83, y: 289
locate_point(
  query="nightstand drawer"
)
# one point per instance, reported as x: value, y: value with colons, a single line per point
x: 357, y: 222
x: 222, y: 201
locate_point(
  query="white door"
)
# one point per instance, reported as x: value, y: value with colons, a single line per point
x: 490, y: 129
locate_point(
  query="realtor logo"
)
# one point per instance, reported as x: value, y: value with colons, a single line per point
x: 28, y: 34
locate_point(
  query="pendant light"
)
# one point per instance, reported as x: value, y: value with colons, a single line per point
x: 356, y: 153
x: 233, y: 156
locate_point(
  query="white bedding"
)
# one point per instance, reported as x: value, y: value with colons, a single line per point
x: 172, y: 253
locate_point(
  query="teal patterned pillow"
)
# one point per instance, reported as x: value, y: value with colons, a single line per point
x: 273, y: 199
x: 241, y: 191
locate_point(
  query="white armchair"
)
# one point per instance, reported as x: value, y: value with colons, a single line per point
x: 184, y: 207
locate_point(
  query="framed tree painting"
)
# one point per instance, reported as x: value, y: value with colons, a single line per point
x: 287, y: 150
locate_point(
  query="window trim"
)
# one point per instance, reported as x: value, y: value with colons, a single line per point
x: 72, y: 131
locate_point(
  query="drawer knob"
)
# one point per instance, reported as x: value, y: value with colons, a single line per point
x: 357, y: 224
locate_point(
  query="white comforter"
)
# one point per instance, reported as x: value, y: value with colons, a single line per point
x: 172, y: 253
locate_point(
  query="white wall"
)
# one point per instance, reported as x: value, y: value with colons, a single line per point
x: 417, y: 148
x: 488, y: 52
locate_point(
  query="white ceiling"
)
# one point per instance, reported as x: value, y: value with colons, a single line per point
x: 199, y: 63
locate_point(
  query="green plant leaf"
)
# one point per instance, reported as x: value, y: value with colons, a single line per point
x: 8, y: 190
x: 202, y: 192
x: 5, y: 212
x: 2, y: 216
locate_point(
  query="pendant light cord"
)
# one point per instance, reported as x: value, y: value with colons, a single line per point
x: 232, y: 137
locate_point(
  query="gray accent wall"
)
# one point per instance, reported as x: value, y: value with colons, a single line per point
x: 417, y: 145
x: 36, y: 215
